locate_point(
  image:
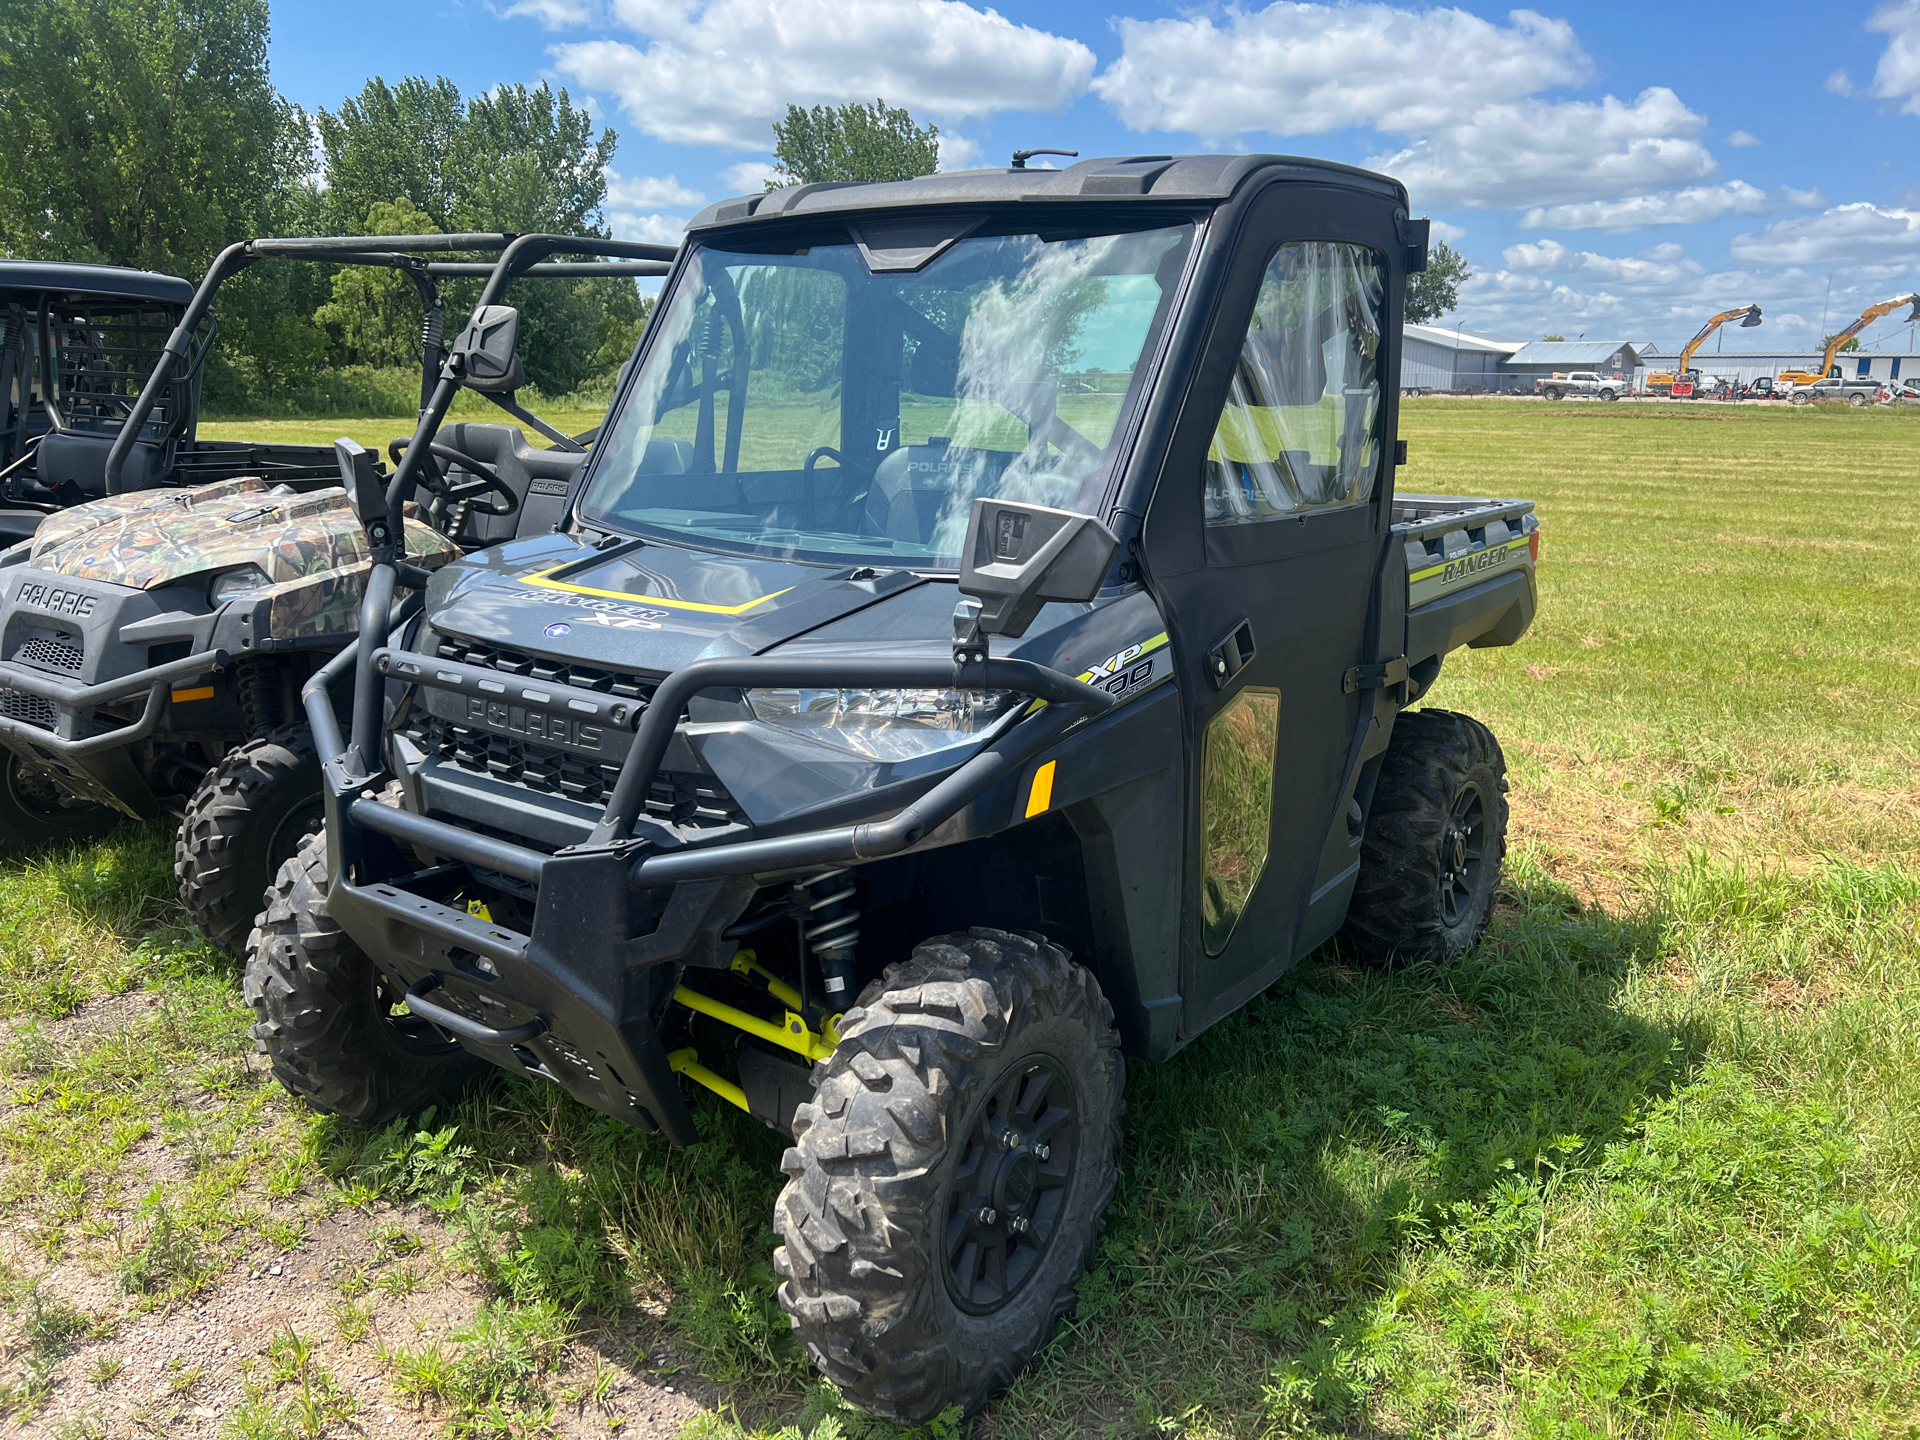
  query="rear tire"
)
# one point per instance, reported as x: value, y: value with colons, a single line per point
x: 1857, y: 400
x: 35, y: 812
x: 248, y: 818
x: 927, y: 1255
x: 1435, y: 839
x: 327, y: 1021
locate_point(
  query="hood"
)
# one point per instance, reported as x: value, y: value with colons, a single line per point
x: 155, y: 537
x: 649, y: 607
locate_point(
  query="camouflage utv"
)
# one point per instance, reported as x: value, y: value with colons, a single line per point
x: 155, y: 641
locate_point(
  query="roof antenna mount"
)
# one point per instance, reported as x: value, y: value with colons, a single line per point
x: 1020, y: 157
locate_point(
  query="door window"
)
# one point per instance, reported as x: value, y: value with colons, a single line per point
x: 1236, y: 790
x: 1299, y: 430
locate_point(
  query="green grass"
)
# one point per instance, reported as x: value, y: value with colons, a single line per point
x: 1646, y: 1164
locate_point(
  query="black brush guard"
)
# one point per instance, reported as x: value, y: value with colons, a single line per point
x: 575, y: 1000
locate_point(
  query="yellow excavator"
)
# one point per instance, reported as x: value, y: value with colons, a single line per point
x: 1681, y: 382
x: 1871, y: 314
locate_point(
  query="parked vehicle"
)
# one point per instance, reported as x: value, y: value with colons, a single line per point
x: 892, y: 757
x: 1582, y: 382
x: 1684, y: 381
x: 1764, y: 388
x: 155, y: 641
x: 1899, y: 392
x: 77, y: 344
x: 1854, y: 390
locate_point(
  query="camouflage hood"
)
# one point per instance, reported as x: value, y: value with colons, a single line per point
x: 155, y: 537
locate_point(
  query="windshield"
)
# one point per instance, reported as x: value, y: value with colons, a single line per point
x: 801, y: 405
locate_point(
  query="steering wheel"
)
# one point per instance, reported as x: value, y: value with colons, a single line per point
x: 823, y: 452
x: 435, y: 480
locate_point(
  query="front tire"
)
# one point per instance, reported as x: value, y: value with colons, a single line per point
x: 328, y: 1021
x: 35, y: 811
x: 250, y: 815
x: 1609, y: 396
x: 1435, y: 840
x: 950, y: 1177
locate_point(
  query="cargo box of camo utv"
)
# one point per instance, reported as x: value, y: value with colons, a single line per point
x: 977, y: 656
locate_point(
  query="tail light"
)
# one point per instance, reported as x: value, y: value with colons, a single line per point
x: 1533, y: 548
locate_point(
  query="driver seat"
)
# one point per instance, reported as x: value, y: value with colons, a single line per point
x: 542, y: 479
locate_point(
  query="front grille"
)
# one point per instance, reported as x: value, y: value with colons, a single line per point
x: 552, y: 672
x: 681, y: 799
x: 51, y: 655
x: 16, y: 705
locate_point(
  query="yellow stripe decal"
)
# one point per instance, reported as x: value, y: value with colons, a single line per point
x: 1041, y: 795
x: 203, y: 692
x: 544, y: 583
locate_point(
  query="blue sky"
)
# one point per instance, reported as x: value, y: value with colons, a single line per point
x: 1618, y: 170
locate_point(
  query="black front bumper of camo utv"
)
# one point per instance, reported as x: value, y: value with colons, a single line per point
x: 577, y: 999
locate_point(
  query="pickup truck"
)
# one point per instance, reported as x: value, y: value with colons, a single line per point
x: 1582, y: 382
x: 1856, y: 390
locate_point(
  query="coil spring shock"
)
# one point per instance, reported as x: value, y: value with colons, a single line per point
x: 261, y: 702
x: 432, y: 330
x: 830, y: 925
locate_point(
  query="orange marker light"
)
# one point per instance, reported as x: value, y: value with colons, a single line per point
x: 1041, y: 796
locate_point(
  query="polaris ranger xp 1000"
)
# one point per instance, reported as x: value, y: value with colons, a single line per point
x: 979, y: 650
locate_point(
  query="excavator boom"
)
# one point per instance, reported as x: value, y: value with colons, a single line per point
x: 1747, y: 315
x: 1867, y: 317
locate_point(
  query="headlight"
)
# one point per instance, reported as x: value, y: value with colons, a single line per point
x: 883, y: 724
x: 232, y: 584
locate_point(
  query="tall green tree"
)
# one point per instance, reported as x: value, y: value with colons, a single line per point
x: 1435, y: 291
x: 391, y: 143
x: 852, y: 142
x: 141, y: 132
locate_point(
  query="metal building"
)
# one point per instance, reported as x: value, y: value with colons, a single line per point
x: 1742, y: 366
x: 1435, y: 358
x: 1542, y: 359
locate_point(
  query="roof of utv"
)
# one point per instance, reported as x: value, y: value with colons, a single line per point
x: 1205, y: 178
x: 61, y: 278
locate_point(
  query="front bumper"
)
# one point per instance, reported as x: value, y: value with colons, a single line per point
x: 577, y: 997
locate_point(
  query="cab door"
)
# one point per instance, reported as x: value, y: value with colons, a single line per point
x: 1264, y: 544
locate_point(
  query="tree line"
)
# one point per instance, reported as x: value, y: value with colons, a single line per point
x: 148, y: 133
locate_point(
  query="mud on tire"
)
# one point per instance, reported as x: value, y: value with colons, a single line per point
x: 326, y: 1016
x: 889, y: 1264
x: 1435, y: 840
x: 249, y: 815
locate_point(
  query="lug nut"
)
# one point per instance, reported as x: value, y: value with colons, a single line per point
x: 1018, y: 1224
x: 1011, y: 1139
x: 986, y: 1215
x: 1043, y: 1152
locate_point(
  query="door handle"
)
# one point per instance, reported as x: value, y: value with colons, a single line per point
x: 1228, y: 658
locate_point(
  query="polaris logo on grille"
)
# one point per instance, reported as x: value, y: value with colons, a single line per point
x: 55, y: 601
x: 534, y: 724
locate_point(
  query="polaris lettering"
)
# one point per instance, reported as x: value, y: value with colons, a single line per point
x: 54, y: 601
x: 534, y: 724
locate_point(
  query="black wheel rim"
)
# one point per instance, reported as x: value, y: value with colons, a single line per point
x: 1463, y: 854
x: 295, y: 828
x: 35, y: 792
x: 1010, y: 1185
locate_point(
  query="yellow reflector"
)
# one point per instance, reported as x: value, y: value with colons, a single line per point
x: 203, y: 692
x: 1041, y: 796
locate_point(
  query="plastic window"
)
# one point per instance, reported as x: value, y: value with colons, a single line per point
x: 1299, y: 430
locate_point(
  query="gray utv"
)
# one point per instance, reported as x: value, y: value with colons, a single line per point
x: 979, y: 650
x: 153, y: 641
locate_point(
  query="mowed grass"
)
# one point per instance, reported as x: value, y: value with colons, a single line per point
x: 1646, y: 1164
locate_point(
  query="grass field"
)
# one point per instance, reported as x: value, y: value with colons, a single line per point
x: 1646, y: 1164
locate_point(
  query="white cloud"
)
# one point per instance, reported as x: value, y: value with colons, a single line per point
x: 1743, y: 138
x: 554, y: 14
x: 1673, y: 207
x: 1536, y: 152
x: 1897, y: 76
x: 1301, y: 69
x: 1664, y: 265
x: 650, y: 229
x: 1802, y: 199
x: 1857, y: 234
x: 719, y: 72
x: 1451, y: 234
x: 649, y: 192
x: 748, y: 177
x: 1840, y: 83
x: 957, y: 152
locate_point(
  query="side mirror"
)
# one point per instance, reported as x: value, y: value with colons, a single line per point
x: 1018, y: 557
x: 366, y: 490
x: 484, y: 358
